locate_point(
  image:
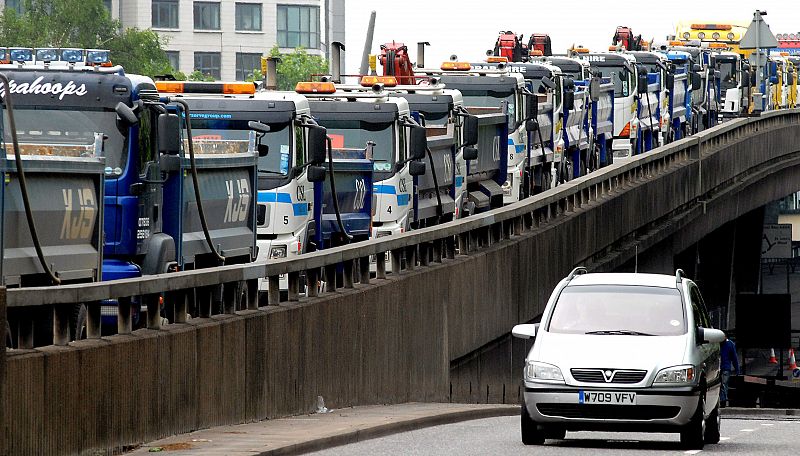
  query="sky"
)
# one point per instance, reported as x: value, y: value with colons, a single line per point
x: 468, y: 28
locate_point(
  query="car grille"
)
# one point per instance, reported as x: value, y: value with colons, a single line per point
x: 609, y: 412
x: 597, y: 376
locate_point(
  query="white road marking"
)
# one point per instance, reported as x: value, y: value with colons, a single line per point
x: 724, y: 438
x: 693, y: 451
x: 746, y: 430
x: 766, y: 424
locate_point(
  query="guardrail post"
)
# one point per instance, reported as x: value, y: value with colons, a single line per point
x: 450, y: 247
x: 363, y: 265
x: 93, y: 320
x: 463, y: 243
x: 274, y: 292
x: 294, y: 286
x: 380, y: 265
x: 203, y: 299
x: 153, y: 311
x: 330, y: 278
x: 229, y: 298
x: 397, y: 256
x: 124, y: 323
x: 424, y: 254
x: 312, y: 284
x: 347, y: 269
x: 252, y: 294
x: 178, y: 302
x: 61, y: 313
x: 438, y: 245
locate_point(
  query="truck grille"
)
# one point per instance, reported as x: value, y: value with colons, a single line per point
x: 609, y: 412
x: 601, y: 375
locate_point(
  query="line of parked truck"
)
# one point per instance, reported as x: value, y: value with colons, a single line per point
x: 109, y: 175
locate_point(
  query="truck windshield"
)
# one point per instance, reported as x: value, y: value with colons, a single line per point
x: 67, y: 132
x: 436, y: 119
x: 490, y: 101
x: 727, y: 74
x: 618, y: 309
x: 353, y: 135
x: 234, y: 136
x: 619, y: 76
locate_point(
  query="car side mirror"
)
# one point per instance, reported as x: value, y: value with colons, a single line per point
x: 316, y: 173
x: 317, y: 144
x: 418, y: 142
x: 470, y: 130
x: 169, y: 134
x: 569, y: 100
x: 416, y: 168
x: 126, y: 114
x: 531, y: 106
x: 525, y: 331
x: 470, y: 153
x: 709, y: 336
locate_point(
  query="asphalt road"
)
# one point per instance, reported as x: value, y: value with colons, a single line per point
x: 501, y: 436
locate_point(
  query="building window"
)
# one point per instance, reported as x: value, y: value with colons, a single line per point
x: 208, y: 63
x: 298, y: 26
x: 245, y: 64
x: 16, y: 5
x: 248, y: 17
x: 107, y: 4
x: 174, y: 58
x: 206, y: 15
x: 165, y: 14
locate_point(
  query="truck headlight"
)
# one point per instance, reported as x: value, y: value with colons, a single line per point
x: 277, y: 251
x: 542, y: 372
x: 677, y: 375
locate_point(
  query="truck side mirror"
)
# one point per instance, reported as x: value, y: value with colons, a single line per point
x: 470, y: 130
x: 696, y: 67
x: 697, y: 82
x: 531, y: 125
x: 531, y: 106
x: 418, y: 143
x: 169, y: 134
x: 670, y: 81
x: 641, y: 80
x: 416, y: 168
x: 790, y: 79
x: 316, y: 173
x: 317, y: 143
x: 126, y: 114
x: 569, y: 100
x: 773, y: 79
x: 470, y: 153
x: 594, y: 89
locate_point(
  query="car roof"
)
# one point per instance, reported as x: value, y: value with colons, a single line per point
x: 625, y: 278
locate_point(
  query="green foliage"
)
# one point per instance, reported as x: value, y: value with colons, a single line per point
x: 255, y: 76
x: 199, y: 76
x: 297, y: 66
x: 83, y: 24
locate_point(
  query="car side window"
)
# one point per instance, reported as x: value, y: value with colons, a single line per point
x: 699, y: 309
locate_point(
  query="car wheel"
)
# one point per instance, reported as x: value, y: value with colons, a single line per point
x: 531, y: 435
x: 693, y: 433
x: 713, y: 426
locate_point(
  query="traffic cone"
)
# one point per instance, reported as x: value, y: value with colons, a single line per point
x: 772, y: 358
x: 792, y: 362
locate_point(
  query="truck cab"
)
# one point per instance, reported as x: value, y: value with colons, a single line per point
x: 734, y: 83
x: 656, y: 106
x: 442, y: 192
x: 621, y: 69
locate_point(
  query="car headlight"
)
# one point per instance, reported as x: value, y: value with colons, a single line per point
x: 277, y: 251
x: 542, y: 372
x: 677, y: 375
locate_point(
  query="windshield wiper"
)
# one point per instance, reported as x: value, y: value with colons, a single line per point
x: 619, y: 332
x: 266, y: 171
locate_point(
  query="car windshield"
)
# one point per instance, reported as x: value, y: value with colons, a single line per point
x: 629, y: 310
x: 727, y: 74
x: 69, y: 132
x: 491, y: 100
x: 619, y: 76
x: 353, y: 135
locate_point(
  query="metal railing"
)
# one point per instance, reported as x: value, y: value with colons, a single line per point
x: 351, y: 263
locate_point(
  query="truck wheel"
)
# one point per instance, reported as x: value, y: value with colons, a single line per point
x: 531, y: 435
x: 693, y: 433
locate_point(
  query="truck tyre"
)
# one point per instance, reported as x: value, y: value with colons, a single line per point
x: 713, y: 426
x: 531, y: 435
x: 693, y: 433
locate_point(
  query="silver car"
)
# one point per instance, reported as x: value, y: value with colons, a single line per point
x: 622, y: 352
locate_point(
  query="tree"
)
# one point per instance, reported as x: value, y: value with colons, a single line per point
x: 297, y: 66
x: 84, y: 24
